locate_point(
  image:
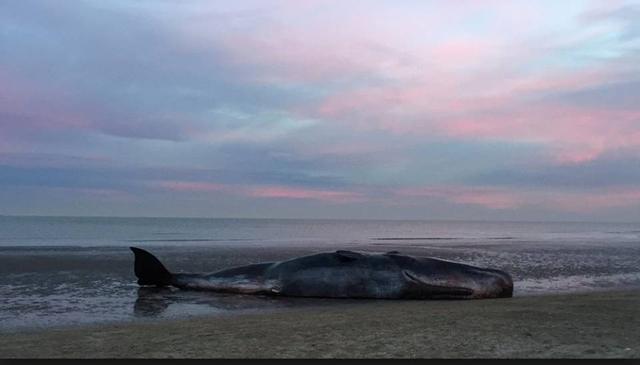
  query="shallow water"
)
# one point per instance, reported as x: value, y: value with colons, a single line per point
x: 69, y: 271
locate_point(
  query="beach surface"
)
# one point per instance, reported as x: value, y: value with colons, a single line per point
x: 588, y: 325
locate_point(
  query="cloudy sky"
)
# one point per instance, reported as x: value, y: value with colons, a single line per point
x: 469, y: 109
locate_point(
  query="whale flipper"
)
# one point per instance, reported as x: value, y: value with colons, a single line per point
x: 149, y: 269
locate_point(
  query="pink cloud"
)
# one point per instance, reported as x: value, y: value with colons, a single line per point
x: 594, y: 201
x: 398, y: 71
x: 483, y: 82
x: 95, y: 193
x: 574, y: 134
x: 573, y: 201
x: 300, y: 193
x: 102, y: 193
x: 487, y: 197
x: 187, y: 186
x: 28, y: 105
x: 34, y: 106
x: 457, y: 53
x: 512, y: 112
x: 273, y: 192
x: 328, y: 40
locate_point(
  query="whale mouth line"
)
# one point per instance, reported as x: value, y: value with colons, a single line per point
x: 454, y: 291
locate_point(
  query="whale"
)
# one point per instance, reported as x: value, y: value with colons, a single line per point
x: 339, y: 274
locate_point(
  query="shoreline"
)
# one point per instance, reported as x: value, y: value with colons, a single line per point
x: 594, y: 324
x: 322, y: 304
x: 291, y: 305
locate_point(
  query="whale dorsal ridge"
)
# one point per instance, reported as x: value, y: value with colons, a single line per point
x: 346, y: 256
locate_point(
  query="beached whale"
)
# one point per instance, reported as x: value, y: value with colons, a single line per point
x: 339, y: 274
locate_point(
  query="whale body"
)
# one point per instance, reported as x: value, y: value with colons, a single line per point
x: 339, y: 274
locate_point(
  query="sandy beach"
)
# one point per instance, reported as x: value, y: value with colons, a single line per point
x: 591, y: 325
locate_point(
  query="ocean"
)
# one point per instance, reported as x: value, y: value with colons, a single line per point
x: 65, y: 271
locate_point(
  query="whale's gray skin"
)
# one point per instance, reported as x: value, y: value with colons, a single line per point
x: 340, y: 274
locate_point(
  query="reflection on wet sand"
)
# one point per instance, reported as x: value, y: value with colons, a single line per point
x: 154, y: 302
x: 151, y: 301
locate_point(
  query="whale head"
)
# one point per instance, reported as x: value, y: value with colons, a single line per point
x: 436, y: 278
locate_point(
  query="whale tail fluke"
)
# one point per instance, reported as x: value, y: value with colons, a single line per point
x: 149, y: 269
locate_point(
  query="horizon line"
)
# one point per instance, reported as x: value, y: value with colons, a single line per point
x: 317, y: 219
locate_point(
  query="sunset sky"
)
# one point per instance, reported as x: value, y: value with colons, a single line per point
x: 507, y: 110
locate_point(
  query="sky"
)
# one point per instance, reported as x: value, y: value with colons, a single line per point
x: 469, y: 109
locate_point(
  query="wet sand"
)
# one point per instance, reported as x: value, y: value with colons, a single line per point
x: 593, y: 325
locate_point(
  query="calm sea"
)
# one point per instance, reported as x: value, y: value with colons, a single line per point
x: 59, y: 271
